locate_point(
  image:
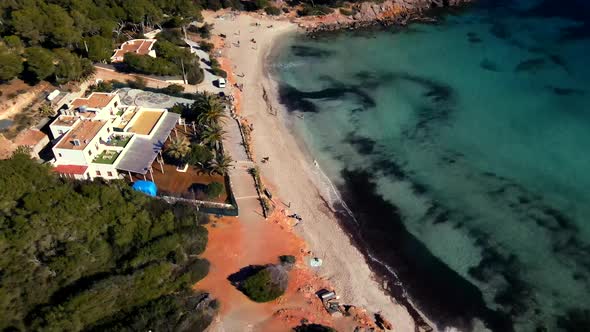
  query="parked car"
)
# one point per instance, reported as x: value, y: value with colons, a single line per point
x: 221, y: 83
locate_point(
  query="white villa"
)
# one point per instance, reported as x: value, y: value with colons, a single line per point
x: 97, y: 137
x: 138, y: 46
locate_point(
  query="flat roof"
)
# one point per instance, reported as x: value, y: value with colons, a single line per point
x: 70, y: 169
x: 84, y: 132
x: 145, y: 122
x: 138, y: 46
x: 142, y: 152
x: 65, y: 120
x: 95, y: 100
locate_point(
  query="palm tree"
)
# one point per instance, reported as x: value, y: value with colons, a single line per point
x: 178, y: 148
x: 211, y: 117
x: 212, y: 136
x: 220, y: 165
x: 209, y: 108
x: 206, y: 101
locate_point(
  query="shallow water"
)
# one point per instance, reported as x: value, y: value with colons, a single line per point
x: 462, y: 150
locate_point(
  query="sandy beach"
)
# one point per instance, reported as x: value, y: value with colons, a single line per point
x: 291, y: 172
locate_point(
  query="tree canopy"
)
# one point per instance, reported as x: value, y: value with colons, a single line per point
x: 10, y: 65
x: 85, y: 28
x: 80, y: 255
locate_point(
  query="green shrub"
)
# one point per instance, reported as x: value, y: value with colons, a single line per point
x: 138, y: 83
x: 308, y: 10
x: 287, y: 259
x: 213, y: 61
x: 205, y: 46
x: 175, y: 36
x: 104, y: 86
x: 212, y: 4
x: 219, y: 72
x: 347, y: 12
x: 313, y: 328
x: 260, y: 3
x: 204, y: 31
x: 195, y: 75
x: 200, y: 155
x: 174, y: 22
x: 214, y: 189
x: 197, y: 270
x: 261, y: 287
x: 145, y: 64
x: 233, y: 4
x: 173, y: 89
x: 271, y: 10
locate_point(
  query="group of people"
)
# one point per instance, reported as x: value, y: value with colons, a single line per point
x: 295, y: 216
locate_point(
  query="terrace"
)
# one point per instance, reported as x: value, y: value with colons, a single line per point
x: 124, y: 119
x: 145, y: 122
x: 190, y: 184
x: 117, y: 140
x: 106, y: 157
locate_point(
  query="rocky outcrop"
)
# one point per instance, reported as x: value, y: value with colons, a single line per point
x: 386, y: 13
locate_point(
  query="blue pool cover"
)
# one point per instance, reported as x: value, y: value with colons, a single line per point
x: 147, y: 187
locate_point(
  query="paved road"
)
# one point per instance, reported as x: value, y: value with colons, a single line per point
x: 210, y: 79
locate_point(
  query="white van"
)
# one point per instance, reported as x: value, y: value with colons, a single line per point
x: 221, y: 82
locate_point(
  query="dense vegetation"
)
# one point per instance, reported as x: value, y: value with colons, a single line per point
x: 171, y: 59
x: 81, y: 255
x: 57, y: 40
x: 79, y: 29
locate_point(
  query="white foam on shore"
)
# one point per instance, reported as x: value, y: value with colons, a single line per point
x: 332, y: 193
x: 293, y: 64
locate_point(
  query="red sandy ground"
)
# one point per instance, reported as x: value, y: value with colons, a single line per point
x: 233, y: 245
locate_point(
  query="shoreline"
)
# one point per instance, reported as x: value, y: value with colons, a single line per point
x: 290, y: 175
x: 384, y: 276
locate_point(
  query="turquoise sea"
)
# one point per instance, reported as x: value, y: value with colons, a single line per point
x: 463, y: 151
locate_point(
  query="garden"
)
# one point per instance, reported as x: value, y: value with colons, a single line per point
x: 118, y: 140
x: 197, y: 147
x: 106, y: 157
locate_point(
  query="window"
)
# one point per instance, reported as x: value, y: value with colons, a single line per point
x: 97, y: 173
x: 110, y: 173
x: 89, y: 153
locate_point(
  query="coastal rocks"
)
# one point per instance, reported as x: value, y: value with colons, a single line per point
x: 389, y: 12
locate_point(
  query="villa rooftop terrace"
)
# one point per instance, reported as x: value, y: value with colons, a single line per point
x: 138, y: 46
x: 145, y: 122
x: 84, y: 132
x: 95, y: 100
x: 65, y: 120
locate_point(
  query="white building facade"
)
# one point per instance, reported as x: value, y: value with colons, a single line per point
x: 97, y: 137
